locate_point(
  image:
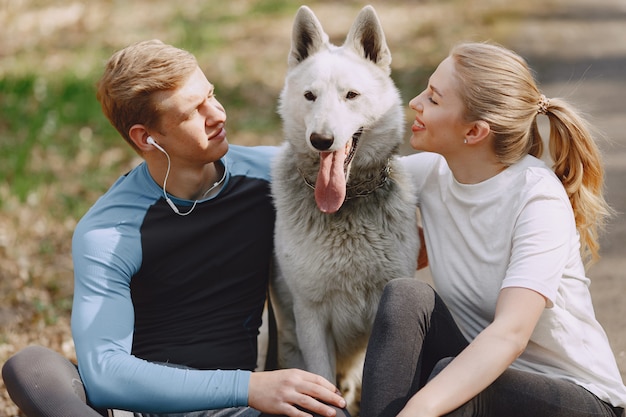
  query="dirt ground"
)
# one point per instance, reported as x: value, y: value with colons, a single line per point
x: 578, y: 49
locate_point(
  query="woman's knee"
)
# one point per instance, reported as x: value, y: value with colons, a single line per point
x: 439, y: 366
x: 406, y: 296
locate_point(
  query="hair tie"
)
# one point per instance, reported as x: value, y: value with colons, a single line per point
x: 543, y: 105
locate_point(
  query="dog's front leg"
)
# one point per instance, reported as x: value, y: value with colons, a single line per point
x: 316, y: 342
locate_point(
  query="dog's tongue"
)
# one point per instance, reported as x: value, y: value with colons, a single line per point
x: 330, y: 188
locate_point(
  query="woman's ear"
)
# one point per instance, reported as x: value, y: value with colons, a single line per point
x: 139, y: 135
x: 478, y: 131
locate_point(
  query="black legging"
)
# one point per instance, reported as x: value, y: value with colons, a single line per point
x: 414, y: 337
x: 42, y: 383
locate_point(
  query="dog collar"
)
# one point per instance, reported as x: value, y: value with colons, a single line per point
x: 363, y: 188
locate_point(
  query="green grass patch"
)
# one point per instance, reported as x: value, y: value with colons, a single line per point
x: 47, y: 124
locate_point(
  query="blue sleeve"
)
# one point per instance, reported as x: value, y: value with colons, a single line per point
x: 105, y: 257
x: 254, y: 160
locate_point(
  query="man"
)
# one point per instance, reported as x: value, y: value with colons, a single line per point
x: 172, y: 263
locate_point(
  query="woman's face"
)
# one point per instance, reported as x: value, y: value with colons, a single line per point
x: 439, y: 125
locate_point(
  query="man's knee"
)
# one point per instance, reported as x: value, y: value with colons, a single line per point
x: 42, y: 382
x: 30, y: 364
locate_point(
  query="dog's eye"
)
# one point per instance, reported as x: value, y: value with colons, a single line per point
x: 309, y: 96
x: 352, y: 95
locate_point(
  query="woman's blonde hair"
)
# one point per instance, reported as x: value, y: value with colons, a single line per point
x: 497, y: 86
x: 132, y: 76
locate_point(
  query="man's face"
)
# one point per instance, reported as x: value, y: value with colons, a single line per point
x: 193, y: 121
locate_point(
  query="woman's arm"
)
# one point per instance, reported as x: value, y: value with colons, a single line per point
x: 485, y: 359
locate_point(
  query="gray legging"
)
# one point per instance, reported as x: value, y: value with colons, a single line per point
x: 414, y: 338
x: 42, y: 383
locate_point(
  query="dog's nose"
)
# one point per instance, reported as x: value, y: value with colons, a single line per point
x: 321, y: 142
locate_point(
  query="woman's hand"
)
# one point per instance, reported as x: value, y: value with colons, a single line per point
x: 282, y: 392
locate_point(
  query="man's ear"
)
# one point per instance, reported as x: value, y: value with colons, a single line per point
x: 139, y: 136
x: 477, y: 132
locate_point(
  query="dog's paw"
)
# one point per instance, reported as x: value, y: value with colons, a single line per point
x: 350, y: 387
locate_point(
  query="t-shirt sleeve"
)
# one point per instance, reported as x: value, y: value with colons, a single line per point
x: 419, y: 166
x: 541, y: 244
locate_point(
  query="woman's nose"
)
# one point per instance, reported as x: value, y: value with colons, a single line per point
x: 416, y: 104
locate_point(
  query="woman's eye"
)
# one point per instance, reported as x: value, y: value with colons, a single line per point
x: 432, y: 100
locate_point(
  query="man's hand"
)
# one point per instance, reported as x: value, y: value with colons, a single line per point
x: 281, y: 392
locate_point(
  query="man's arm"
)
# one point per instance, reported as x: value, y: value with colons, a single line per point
x: 102, y: 327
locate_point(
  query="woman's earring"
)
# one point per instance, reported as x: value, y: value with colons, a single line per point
x: 465, y: 141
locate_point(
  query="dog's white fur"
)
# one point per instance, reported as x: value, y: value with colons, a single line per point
x: 333, y: 259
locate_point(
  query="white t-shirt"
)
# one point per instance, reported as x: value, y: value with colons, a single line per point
x: 515, y: 229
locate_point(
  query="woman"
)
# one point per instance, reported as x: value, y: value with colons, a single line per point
x: 511, y: 330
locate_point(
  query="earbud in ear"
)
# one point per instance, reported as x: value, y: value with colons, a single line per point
x: 156, y: 145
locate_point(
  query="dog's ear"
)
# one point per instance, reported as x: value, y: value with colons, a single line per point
x: 307, y: 37
x: 367, y: 39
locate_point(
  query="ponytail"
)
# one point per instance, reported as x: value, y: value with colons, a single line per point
x: 578, y: 164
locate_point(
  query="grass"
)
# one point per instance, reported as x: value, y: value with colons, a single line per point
x: 47, y: 118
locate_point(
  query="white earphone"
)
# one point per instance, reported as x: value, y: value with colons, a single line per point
x: 167, y: 173
x: 156, y: 145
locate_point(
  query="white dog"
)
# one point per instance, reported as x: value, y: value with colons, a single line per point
x: 346, y: 215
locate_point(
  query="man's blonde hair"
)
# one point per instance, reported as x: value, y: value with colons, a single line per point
x: 132, y: 76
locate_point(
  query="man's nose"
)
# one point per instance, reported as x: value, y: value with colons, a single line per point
x: 214, y: 112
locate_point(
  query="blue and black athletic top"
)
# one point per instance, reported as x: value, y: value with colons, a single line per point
x: 152, y: 286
